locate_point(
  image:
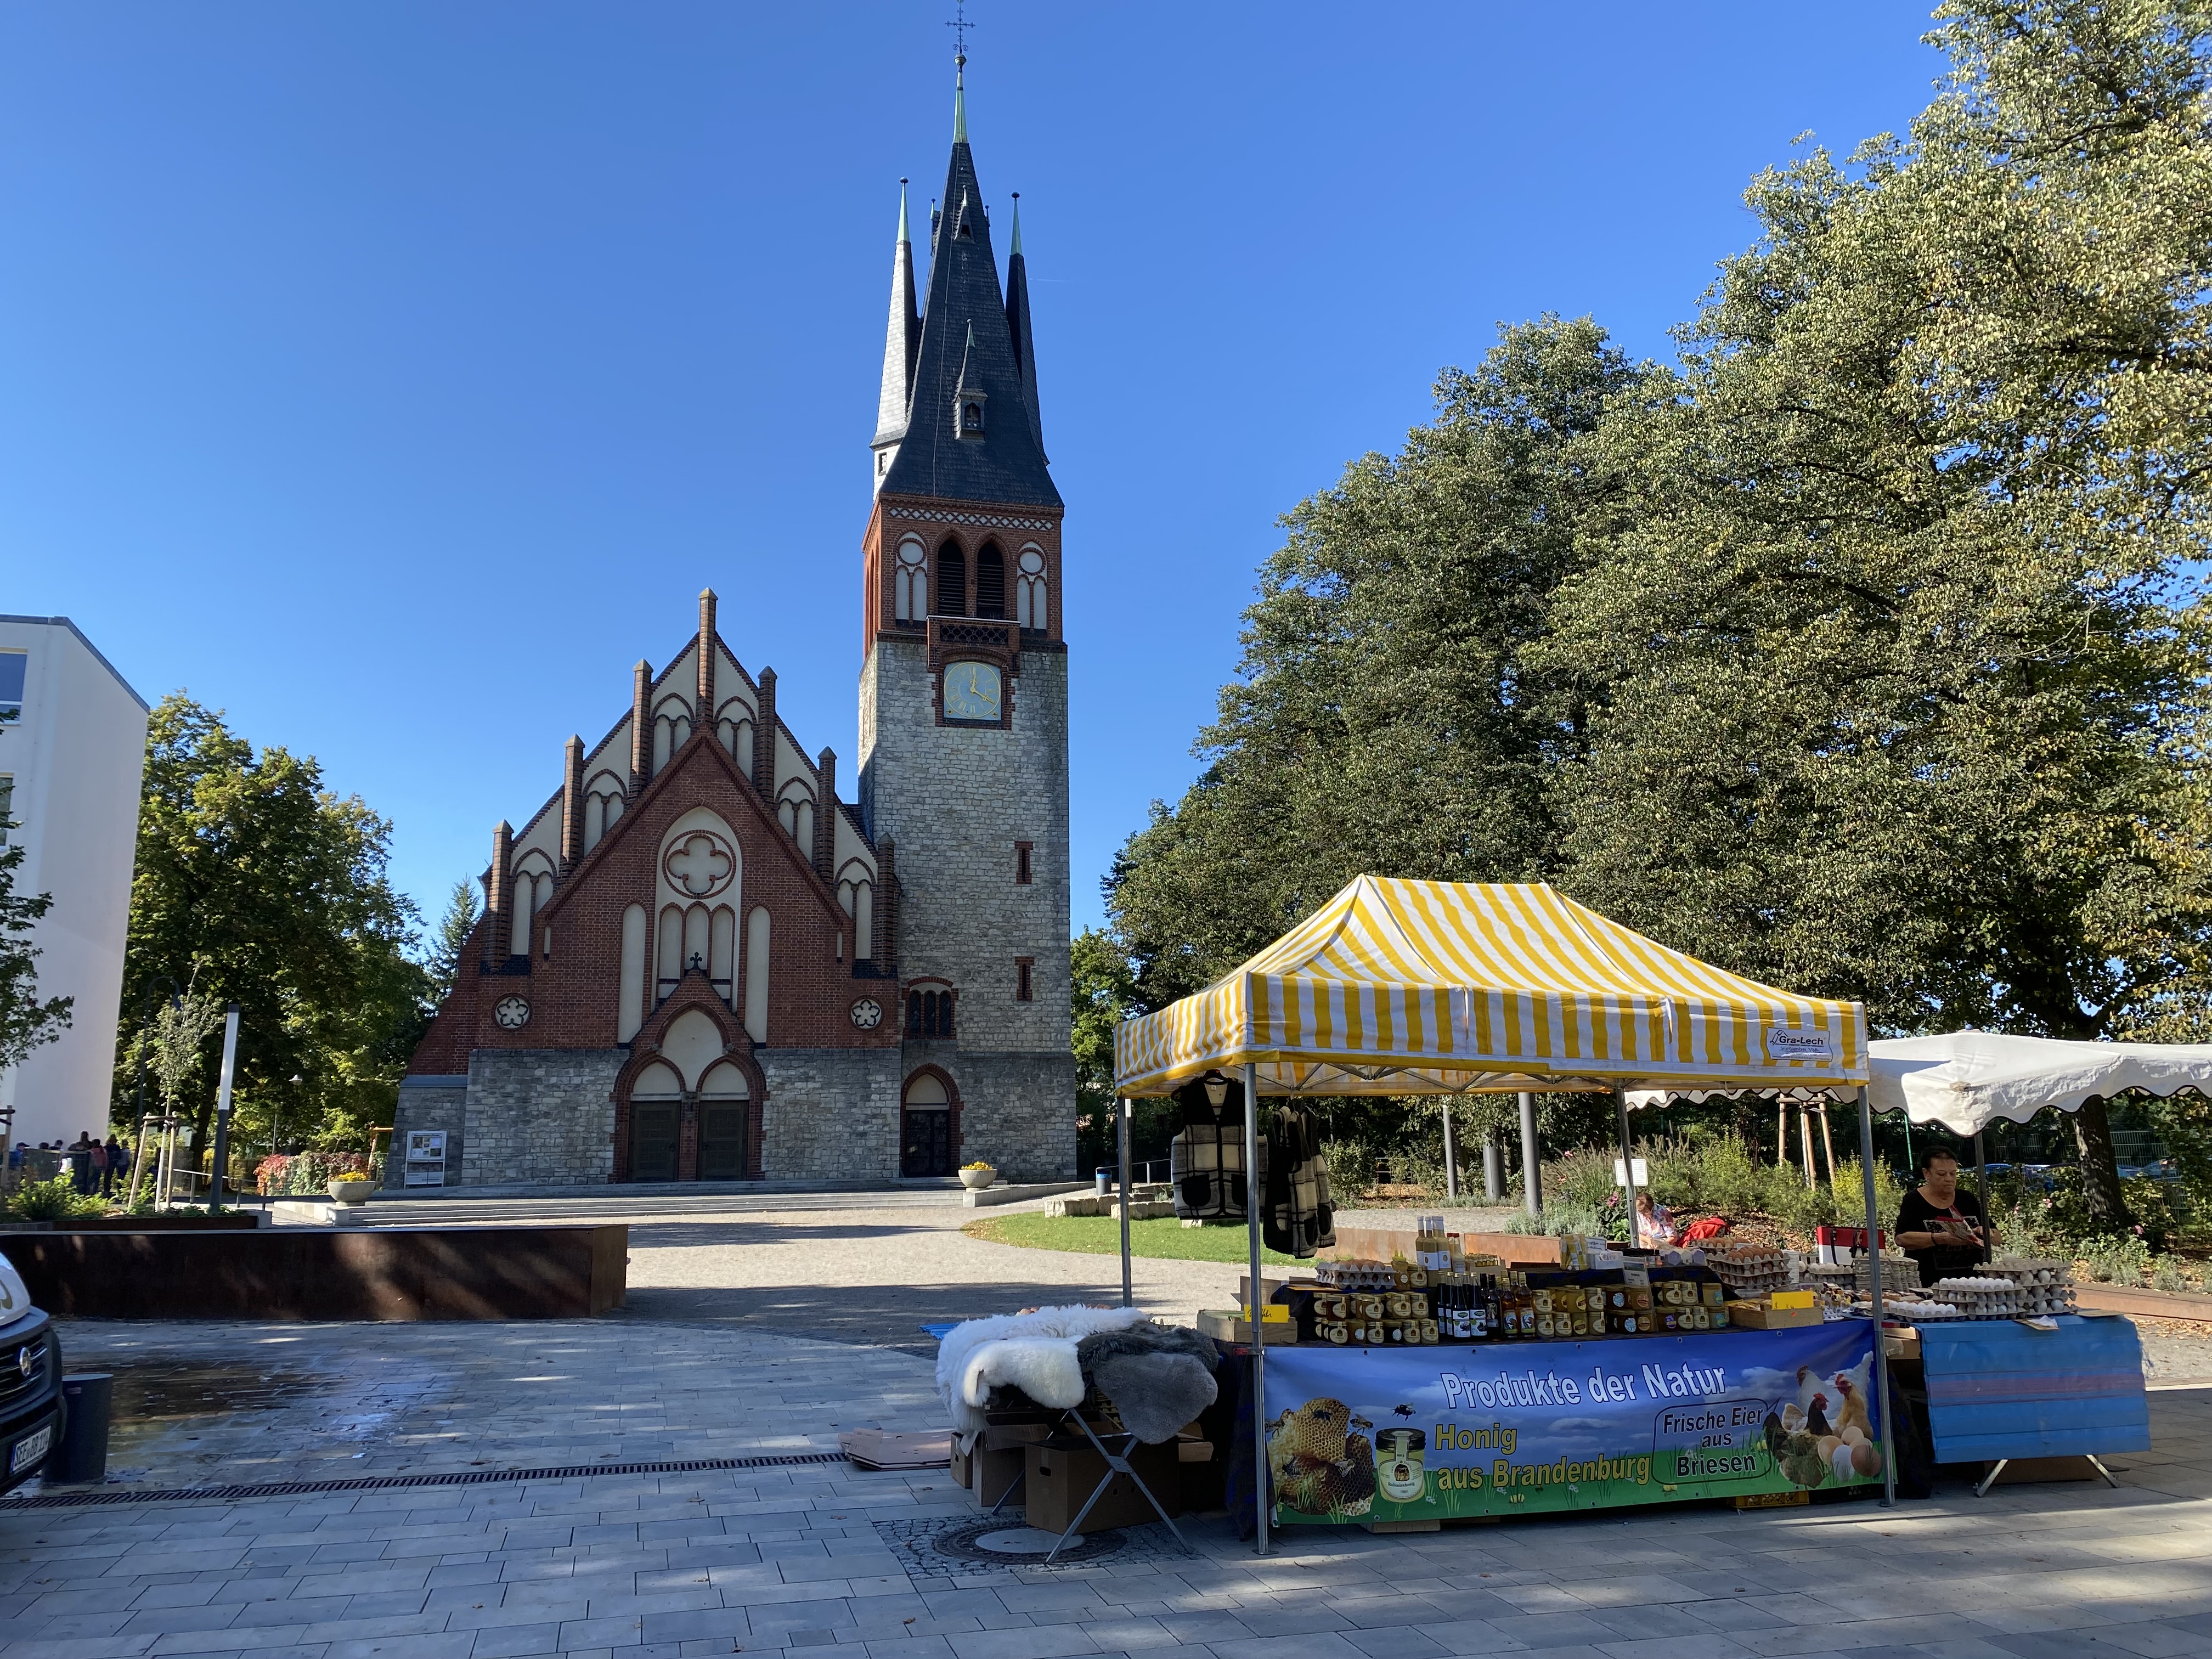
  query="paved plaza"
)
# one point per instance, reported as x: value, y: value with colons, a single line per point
x: 795, y: 1555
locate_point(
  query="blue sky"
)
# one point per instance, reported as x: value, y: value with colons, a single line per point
x: 394, y: 376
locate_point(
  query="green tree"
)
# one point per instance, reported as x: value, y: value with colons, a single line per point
x: 1896, y: 673
x: 451, y: 937
x: 26, y: 1022
x: 272, y: 893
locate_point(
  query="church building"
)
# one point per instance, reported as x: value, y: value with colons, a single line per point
x: 700, y: 961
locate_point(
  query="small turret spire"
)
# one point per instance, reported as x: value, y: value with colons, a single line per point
x: 903, y: 236
x: 1017, y: 252
x: 901, y: 340
x: 960, y: 99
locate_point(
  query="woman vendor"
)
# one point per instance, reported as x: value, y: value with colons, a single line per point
x: 1940, y: 1227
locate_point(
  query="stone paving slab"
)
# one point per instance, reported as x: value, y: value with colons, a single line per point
x: 776, y: 1559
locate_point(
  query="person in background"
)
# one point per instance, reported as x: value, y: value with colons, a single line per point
x: 1940, y: 1227
x: 97, y: 1152
x: 118, y: 1166
x: 80, y: 1162
x: 1655, y: 1223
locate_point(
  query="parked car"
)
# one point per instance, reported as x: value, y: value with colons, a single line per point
x: 30, y: 1382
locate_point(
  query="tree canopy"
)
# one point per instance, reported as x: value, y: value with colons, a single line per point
x: 263, y: 888
x: 1863, y: 648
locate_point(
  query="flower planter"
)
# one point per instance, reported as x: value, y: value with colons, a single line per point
x: 351, y: 1192
x: 976, y: 1180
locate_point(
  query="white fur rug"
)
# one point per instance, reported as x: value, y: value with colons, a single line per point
x: 1033, y: 1351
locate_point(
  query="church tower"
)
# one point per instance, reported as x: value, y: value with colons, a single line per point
x: 963, y: 702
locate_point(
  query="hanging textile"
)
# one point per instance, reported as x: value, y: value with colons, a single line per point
x: 1300, y: 1217
x: 1206, y: 1161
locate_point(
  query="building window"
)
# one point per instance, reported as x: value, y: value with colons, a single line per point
x: 910, y: 582
x: 7, y: 806
x: 971, y: 419
x: 951, y: 581
x: 1030, y: 605
x: 929, y: 1014
x: 991, y: 581
x: 1023, y: 965
x: 14, y: 671
x: 1022, y: 850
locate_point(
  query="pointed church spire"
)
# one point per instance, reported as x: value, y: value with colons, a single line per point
x: 968, y: 353
x: 901, y: 339
x: 1017, y: 327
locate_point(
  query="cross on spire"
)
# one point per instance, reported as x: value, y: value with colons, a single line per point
x: 959, y: 25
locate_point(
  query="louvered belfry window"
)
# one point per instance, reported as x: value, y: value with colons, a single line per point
x: 991, y: 581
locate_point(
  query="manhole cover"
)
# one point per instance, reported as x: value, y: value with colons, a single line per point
x: 996, y: 1540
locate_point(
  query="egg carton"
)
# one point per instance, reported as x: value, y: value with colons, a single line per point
x: 1900, y: 1275
x: 1920, y: 1311
x: 1749, y: 1269
x: 1981, y: 1296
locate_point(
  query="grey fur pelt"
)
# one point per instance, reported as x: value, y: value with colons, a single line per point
x: 1158, y: 1377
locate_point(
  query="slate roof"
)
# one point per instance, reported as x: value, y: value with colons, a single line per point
x: 1007, y: 463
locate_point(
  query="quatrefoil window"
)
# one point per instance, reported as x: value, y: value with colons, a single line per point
x: 699, y: 865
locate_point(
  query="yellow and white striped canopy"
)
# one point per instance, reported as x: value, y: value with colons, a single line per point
x: 1402, y: 988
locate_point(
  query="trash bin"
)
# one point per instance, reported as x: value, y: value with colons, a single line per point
x: 82, y: 1457
x: 1105, y: 1180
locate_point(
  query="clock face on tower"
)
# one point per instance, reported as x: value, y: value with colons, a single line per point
x: 972, y: 692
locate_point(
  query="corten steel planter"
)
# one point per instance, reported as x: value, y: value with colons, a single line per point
x: 309, y: 1273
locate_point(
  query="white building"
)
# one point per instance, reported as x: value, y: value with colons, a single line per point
x: 72, y: 750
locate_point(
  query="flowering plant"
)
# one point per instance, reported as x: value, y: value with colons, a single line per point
x: 979, y: 1164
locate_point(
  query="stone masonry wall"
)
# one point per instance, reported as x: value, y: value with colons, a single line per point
x: 831, y: 1113
x: 428, y: 1103
x: 956, y: 799
x: 540, y: 1115
x: 1018, y: 1111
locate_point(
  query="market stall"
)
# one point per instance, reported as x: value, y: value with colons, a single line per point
x: 1996, y: 1389
x: 1407, y: 987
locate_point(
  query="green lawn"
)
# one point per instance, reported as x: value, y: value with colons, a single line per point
x: 1101, y: 1235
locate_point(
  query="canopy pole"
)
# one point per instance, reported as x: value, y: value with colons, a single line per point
x: 1874, y: 1285
x: 1451, y: 1158
x: 1805, y: 1138
x: 1259, y: 1302
x: 1982, y: 1190
x: 1531, y: 1158
x: 1627, y: 1165
x: 1781, y: 1132
x: 1827, y: 1141
x: 1493, y: 1168
x: 1129, y: 1292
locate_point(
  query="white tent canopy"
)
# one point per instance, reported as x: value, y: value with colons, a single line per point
x: 1965, y: 1080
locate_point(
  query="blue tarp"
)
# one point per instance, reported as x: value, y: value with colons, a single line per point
x: 1997, y: 1389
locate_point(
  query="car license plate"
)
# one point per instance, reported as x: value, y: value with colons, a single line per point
x: 29, y: 1449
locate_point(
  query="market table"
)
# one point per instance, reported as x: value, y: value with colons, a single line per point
x: 1398, y: 1438
x: 1998, y: 1389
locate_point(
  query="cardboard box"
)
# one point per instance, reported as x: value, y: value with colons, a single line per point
x: 1062, y: 1474
x: 1223, y: 1325
x: 1760, y: 1316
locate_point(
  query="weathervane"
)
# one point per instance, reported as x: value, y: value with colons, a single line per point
x: 959, y: 25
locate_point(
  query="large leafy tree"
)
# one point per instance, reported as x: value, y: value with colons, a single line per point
x: 1895, y: 676
x: 273, y: 892
x: 1862, y: 650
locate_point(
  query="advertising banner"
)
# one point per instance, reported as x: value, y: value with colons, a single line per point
x: 1435, y: 1433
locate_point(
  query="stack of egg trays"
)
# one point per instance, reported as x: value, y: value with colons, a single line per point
x: 1981, y: 1296
x: 1748, y: 1271
x: 2046, y: 1287
x: 1900, y: 1275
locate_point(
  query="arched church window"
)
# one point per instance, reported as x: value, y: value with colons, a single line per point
x: 603, y: 805
x: 856, y: 892
x: 990, y: 581
x: 671, y: 730
x: 533, y: 891
x: 794, y: 809
x: 929, y: 1014
x: 910, y: 582
x: 1031, y: 607
x: 971, y: 417
x: 952, y: 581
